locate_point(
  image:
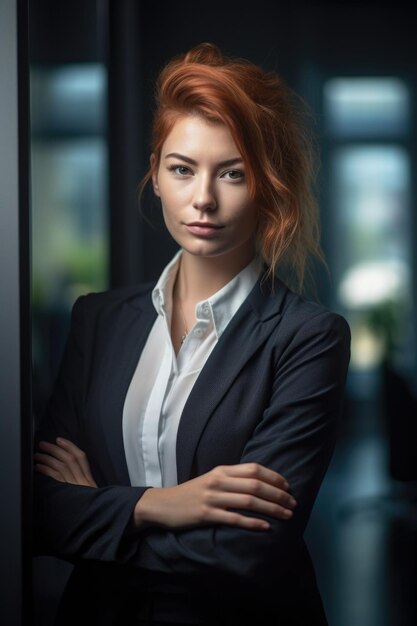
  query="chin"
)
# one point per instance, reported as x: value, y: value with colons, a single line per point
x: 200, y: 247
x: 203, y: 251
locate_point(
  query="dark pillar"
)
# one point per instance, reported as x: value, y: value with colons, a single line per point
x: 125, y: 140
x: 15, y: 361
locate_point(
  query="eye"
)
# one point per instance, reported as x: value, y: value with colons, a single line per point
x: 180, y: 170
x: 234, y: 175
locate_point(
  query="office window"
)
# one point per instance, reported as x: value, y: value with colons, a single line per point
x: 69, y: 198
x: 370, y: 187
x: 366, y: 107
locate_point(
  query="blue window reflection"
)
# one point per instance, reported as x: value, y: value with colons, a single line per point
x: 69, y: 197
x: 68, y: 100
x: 366, y: 119
x: 367, y: 106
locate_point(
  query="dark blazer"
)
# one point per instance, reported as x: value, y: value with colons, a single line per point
x: 271, y: 392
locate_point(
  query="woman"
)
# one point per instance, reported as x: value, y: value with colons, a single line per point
x: 196, y: 418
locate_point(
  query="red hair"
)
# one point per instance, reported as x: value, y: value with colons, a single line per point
x: 267, y: 128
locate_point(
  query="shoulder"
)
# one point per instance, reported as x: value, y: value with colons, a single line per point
x: 95, y: 305
x: 300, y: 312
x: 301, y: 317
x: 309, y: 334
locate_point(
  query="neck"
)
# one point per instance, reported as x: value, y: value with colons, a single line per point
x: 200, y: 277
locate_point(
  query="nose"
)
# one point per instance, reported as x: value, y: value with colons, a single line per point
x: 204, y: 197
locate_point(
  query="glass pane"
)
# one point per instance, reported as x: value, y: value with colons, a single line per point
x: 68, y: 100
x: 69, y: 196
x: 69, y: 231
x: 368, y: 107
x: 373, y: 236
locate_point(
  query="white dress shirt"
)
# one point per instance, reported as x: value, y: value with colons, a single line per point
x: 163, y: 380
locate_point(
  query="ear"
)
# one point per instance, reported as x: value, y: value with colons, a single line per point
x: 154, y: 167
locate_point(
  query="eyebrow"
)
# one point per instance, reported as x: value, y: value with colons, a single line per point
x: 233, y: 161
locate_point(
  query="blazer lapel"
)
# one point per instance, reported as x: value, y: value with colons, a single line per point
x: 129, y: 337
x: 247, y: 331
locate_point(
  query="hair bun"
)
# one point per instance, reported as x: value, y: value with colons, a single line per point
x: 205, y: 53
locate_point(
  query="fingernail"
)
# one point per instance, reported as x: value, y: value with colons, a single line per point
x: 293, y: 502
x: 287, y: 513
x: 286, y: 485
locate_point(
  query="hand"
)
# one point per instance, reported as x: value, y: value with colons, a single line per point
x: 207, y: 498
x: 64, y: 462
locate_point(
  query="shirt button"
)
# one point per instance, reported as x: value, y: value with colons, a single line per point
x: 204, y: 311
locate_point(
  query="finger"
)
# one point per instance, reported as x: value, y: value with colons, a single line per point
x: 56, y: 465
x: 54, y: 450
x: 256, y: 470
x: 47, y: 471
x: 250, y: 503
x: 236, y: 519
x: 80, y: 455
x: 73, y: 470
x: 260, y: 489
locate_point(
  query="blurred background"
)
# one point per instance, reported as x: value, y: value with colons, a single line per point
x: 92, y: 67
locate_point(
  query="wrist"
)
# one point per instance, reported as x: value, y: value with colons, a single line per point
x: 142, y: 511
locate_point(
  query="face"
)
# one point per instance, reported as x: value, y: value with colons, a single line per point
x: 202, y: 186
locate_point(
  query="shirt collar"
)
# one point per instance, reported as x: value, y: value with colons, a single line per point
x: 162, y: 292
x: 221, y: 306
x: 225, y: 302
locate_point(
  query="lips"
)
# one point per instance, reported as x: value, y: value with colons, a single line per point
x: 203, y: 229
x: 204, y: 225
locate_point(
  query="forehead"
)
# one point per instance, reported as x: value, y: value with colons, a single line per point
x: 196, y: 137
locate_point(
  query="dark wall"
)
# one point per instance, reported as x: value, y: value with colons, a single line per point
x: 64, y: 32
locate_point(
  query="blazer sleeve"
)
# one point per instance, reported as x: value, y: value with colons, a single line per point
x: 295, y: 437
x: 70, y: 521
